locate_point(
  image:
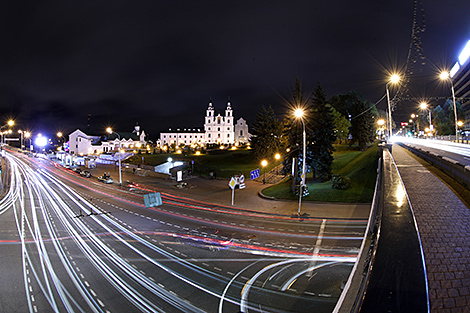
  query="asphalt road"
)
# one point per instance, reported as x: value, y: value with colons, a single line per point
x: 456, y: 151
x: 70, y: 243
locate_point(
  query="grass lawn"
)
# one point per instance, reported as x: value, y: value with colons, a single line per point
x: 225, y: 163
x: 360, y: 167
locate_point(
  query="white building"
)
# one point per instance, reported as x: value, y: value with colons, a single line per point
x: 218, y: 129
x: 241, y: 131
x: 83, y: 144
x: 183, y: 136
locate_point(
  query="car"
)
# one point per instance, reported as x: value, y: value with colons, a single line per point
x: 86, y: 174
x: 105, y: 179
x: 77, y: 170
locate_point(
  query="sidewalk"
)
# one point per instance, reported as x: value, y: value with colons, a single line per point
x: 217, y: 191
x: 444, y: 225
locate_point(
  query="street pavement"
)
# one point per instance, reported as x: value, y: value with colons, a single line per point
x: 444, y: 224
x: 217, y: 191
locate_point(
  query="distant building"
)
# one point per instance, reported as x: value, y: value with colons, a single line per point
x: 218, y: 129
x: 84, y: 144
x: 460, y: 75
x: 183, y: 136
x: 81, y: 143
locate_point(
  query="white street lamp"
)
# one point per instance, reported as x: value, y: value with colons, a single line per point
x: 393, y: 80
x: 445, y: 76
x: 299, y: 113
x: 424, y: 106
x: 110, y: 131
x: 264, y: 163
x: 21, y: 140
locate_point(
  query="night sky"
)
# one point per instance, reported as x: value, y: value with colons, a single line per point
x: 159, y: 62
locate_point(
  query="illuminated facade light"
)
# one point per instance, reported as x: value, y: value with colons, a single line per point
x: 41, y: 141
x: 454, y: 69
x: 463, y: 57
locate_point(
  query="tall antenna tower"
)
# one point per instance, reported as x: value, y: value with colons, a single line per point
x: 415, y: 56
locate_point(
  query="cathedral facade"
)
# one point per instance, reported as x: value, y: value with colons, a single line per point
x: 218, y: 129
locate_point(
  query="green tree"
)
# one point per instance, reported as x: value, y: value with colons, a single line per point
x: 443, y: 117
x: 293, y: 130
x: 342, y: 125
x: 266, y: 134
x: 321, y: 135
x: 361, y: 114
x: 362, y: 120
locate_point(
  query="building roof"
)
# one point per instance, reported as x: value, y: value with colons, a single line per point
x: 123, y: 135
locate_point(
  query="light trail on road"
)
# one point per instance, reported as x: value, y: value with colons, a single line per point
x: 82, y: 253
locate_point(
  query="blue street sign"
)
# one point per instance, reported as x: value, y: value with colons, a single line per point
x: 254, y: 174
x: 152, y: 199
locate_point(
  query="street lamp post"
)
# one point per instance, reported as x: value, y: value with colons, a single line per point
x: 27, y: 135
x: 110, y: 131
x: 9, y: 123
x: 394, y: 79
x: 300, y: 113
x: 264, y: 163
x: 424, y: 106
x: 59, y: 138
x: 445, y: 76
x: 21, y: 139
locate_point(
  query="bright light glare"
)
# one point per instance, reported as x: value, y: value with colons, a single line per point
x: 423, y: 106
x: 459, y: 123
x: 41, y: 141
x: 463, y: 57
x: 394, y: 79
x: 109, y: 130
x: 277, y: 156
x: 299, y: 113
x: 444, y: 75
x: 454, y: 69
x: 11, y: 123
x: 381, y: 122
x: 264, y: 163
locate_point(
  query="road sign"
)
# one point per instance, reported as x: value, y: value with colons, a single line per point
x: 242, y: 182
x: 254, y: 174
x: 232, y: 183
x: 152, y: 199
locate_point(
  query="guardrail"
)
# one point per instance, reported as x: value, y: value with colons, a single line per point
x: 389, y: 274
x: 353, y: 293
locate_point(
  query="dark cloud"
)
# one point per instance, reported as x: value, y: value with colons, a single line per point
x: 159, y: 62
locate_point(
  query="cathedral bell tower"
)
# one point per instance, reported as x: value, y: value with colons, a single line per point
x: 229, y: 113
x: 210, y: 113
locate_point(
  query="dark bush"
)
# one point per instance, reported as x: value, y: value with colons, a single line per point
x: 340, y: 182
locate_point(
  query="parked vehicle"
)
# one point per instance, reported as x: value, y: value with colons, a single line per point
x: 86, y: 174
x: 77, y: 170
x: 105, y: 178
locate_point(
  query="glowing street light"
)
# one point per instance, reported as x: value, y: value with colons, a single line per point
x: 446, y: 76
x: 277, y: 156
x: 393, y: 80
x: 110, y: 131
x: 264, y: 163
x: 299, y: 113
x: 9, y: 123
x: 381, y: 124
x: 424, y: 106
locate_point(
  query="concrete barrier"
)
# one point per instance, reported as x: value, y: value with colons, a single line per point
x: 453, y: 168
